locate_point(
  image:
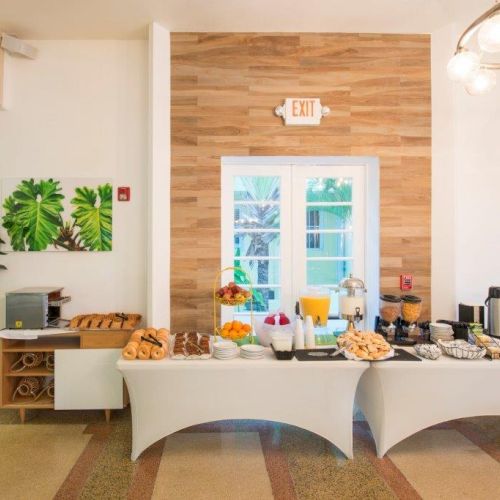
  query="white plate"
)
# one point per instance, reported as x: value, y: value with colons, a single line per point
x: 252, y: 349
x: 225, y: 344
x: 353, y: 357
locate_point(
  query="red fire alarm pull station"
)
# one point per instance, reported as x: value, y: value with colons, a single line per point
x: 406, y: 281
x: 123, y: 193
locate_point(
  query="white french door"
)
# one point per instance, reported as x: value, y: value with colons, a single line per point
x: 290, y: 226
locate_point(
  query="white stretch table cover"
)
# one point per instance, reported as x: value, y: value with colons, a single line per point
x: 169, y: 395
x: 400, y: 398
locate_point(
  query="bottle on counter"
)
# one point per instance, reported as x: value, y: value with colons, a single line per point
x: 299, y: 333
x: 309, y: 334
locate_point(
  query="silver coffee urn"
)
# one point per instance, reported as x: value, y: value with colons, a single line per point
x: 493, y: 304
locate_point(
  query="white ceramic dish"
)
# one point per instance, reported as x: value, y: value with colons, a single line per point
x: 428, y: 351
x: 252, y: 349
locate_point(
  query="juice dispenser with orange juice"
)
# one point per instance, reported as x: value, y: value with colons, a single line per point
x: 315, y: 302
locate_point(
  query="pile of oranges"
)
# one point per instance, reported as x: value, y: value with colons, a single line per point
x: 235, y: 330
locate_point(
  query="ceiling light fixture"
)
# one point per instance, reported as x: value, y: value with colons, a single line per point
x: 467, y: 66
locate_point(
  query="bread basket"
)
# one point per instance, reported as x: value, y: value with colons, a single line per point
x: 461, y: 349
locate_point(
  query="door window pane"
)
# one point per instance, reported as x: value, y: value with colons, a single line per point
x: 256, y: 188
x: 329, y: 217
x: 257, y: 216
x: 321, y: 189
x: 264, y: 300
x: 327, y: 272
x: 257, y: 244
x: 261, y: 272
x: 329, y: 244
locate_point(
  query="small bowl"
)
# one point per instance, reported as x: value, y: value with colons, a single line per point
x: 428, y: 351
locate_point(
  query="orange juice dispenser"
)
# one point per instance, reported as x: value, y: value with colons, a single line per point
x: 315, y: 302
x: 352, y: 301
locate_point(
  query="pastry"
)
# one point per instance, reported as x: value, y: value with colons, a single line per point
x: 130, y: 351
x: 144, y: 351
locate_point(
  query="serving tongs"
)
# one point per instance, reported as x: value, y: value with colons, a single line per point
x: 151, y: 340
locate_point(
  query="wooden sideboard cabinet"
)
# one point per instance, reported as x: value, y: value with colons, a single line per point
x: 85, y: 375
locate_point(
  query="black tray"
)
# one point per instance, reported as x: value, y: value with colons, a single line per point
x: 303, y: 355
x: 402, y: 355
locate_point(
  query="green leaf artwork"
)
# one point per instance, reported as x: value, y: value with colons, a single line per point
x: 34, y: 216
x: 94, y: 218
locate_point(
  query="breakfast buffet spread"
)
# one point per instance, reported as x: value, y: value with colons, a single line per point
x: 289, y: 340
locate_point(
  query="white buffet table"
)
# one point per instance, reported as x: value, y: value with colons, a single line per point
x: 399, y: 399
x: 169, y: 395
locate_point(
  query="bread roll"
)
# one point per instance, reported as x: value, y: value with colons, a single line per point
x: 158, y: 353
x: 129, y: 352
x: 144, y: 351
x: 151, y: 331
x: 136, y: 336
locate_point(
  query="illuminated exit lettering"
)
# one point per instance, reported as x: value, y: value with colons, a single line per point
x: 302, y: 111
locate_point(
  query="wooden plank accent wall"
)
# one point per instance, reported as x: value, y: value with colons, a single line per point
x: 224, y: 90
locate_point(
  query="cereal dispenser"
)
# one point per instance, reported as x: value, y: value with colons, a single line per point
x: 389, y: 311
x: 352, y: 301
x: 411, y: 308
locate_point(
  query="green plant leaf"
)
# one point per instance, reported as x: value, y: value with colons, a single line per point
x: 14, y: 228
x: 38, y: 210
x: 32, y: 214
x: 94, y: 220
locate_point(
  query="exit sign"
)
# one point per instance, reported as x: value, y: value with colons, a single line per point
x: 302, y: 111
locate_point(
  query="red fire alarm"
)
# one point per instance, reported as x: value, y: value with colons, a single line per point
x: 406, y: 281
x: 124, y: 193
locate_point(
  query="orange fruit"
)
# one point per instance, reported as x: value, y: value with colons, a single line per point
x: 233, y: 334
x: 237, y: 325
x: 227, y: 326
x: 246, y: 328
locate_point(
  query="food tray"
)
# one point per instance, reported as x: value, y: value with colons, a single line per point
x: 401, y: 355
x: 111, y: 321
x: 491, y: 343
x: 185, y: 354
x: 283, y: 355
x: 318, y: 355
x: 461, y: 349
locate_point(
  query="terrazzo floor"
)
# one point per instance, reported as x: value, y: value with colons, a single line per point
x: 76, y: 455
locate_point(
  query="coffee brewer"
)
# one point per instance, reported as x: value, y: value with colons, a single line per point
x: 493, y: 304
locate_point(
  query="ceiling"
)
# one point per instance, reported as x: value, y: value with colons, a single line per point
x: 95, y: 19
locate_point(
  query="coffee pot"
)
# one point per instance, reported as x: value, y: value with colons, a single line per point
x: 493, y: 304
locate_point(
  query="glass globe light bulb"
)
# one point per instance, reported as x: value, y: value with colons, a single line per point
x: 489, y: 35
x: 481, y: 82
x: 462, y: 65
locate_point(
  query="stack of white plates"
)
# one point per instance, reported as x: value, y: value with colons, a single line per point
x: 225, y: 350
x: 441, y: 331
x: 251, y: 351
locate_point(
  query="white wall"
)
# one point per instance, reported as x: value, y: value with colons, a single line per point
x: 80, y: 110
x: 158, y: 256
x: 466, y: 178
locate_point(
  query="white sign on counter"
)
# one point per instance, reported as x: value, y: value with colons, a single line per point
x: 302, y: 111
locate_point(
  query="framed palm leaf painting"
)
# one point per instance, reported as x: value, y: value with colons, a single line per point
x: 52, y: 214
